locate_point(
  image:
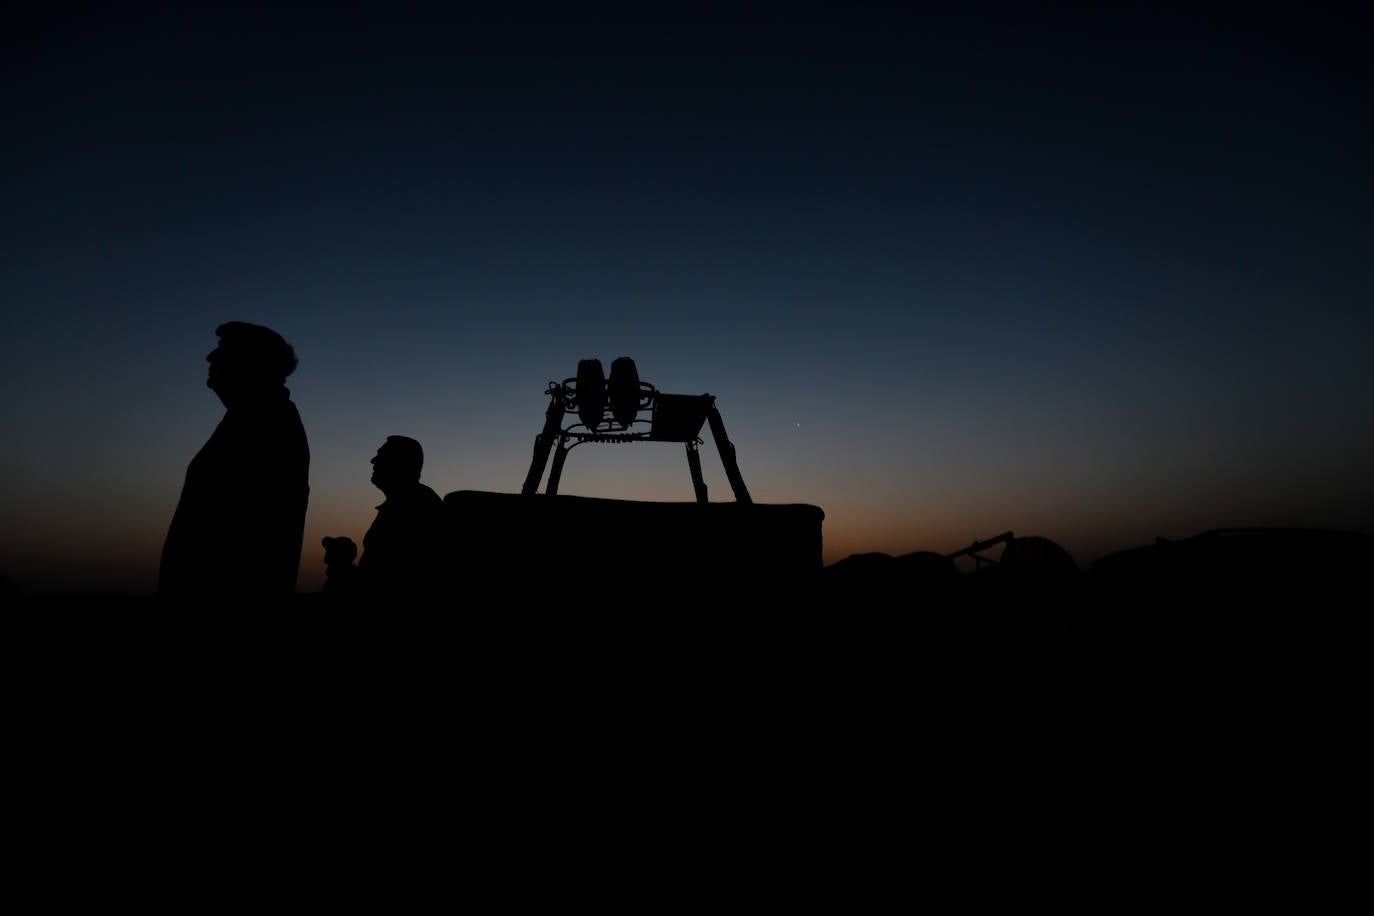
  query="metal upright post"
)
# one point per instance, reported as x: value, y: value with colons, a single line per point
x: 694, y: 465
x: 727, y: 454
x: 560, y: 455
x: 553, y: 428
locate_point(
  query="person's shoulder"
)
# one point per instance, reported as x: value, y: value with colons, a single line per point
x: 292, y: 412
x: 278, y: 410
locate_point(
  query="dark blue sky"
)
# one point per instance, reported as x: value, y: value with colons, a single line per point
x: 1095, y: 276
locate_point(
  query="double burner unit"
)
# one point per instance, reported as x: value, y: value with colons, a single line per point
x: 622, y: 409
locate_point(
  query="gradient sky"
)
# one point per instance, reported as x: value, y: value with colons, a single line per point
x: 1094, y: 276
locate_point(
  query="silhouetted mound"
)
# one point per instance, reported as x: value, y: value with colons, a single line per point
x: 860, y: 566
x: 893, y: 581
x: 1036, y: 556
x: 1243, y: 557
x: 1025, y: 561
x: 1030, y: 596
x: 918, y: 591
x: 1031, y: 567
x: 928, y: 567
x: 1234, y: 580
x: 577, y: 548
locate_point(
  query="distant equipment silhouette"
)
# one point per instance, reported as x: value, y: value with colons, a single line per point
x: 624, y: 409
x: 1035, y: 555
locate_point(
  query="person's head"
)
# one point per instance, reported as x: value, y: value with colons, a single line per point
x: 339, y: 551
x: 249, y: 360
x: 397, y: 463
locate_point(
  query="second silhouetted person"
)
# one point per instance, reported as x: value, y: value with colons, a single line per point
x: 402, y: 549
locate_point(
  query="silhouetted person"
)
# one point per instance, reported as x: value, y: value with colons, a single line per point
x: 401, y: 549
x: 238, y: 527
x: 340, y: 575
